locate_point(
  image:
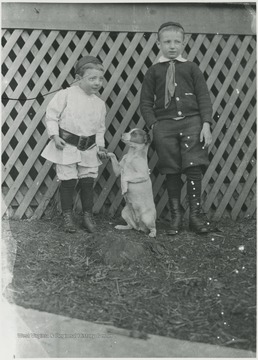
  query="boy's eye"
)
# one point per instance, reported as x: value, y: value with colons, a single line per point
x: 95, y: 78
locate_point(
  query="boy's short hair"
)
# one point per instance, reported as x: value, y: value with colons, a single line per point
x: 170, y: 25
x: 87, y: 62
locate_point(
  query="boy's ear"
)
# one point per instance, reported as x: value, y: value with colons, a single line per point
x: 77, y: 77
x: 158, y: 43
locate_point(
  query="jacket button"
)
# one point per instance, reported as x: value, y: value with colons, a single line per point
x: 179, y: 112
x: 175, y: 84
x: 177, y: 98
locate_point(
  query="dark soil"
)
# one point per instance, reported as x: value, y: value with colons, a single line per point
x: 193, y: 287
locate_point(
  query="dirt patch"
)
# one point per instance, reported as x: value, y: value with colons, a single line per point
x: 197, y: 288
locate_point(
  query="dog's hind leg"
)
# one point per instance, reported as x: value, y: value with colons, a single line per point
x: 127, y: 216
x: 123, y: 227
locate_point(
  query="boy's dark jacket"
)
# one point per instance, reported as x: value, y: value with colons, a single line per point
x: 191, y: 93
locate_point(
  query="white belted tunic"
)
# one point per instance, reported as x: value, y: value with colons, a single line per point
x: 81, y: 114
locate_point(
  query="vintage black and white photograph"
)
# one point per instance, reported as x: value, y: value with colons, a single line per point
x: 128, y: 179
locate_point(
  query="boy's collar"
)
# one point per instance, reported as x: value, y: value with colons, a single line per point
x: 179, y: 58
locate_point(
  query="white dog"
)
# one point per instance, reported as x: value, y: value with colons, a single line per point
x: 139, y: 212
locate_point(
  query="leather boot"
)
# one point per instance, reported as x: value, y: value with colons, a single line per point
x: 66, y: 197
x: 86, y: 186
x: 68, y: 222
x: 194, y: 190
x: 195, y: 223
x: 88, y: 221
x: 176, y: 216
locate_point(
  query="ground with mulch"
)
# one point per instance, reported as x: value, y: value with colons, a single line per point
x: 194, y: 287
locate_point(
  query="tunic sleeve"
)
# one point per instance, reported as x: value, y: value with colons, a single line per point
x: 100, y: 141
x: 54, y: 111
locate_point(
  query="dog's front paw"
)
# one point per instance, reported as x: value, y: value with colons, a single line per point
x: 153, y: 233
x: 111, y: 155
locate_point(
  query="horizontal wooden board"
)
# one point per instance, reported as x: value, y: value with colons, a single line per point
x: 205, y: 18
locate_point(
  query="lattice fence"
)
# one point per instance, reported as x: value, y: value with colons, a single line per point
x: 36, y: 62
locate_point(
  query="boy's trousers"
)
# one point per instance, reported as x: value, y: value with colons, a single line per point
x: 75, y: 171
x: 178, y: 146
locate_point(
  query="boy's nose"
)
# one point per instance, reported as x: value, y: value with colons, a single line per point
x: 98, y: 82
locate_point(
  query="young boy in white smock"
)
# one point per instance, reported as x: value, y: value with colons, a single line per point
x: 75, y: 120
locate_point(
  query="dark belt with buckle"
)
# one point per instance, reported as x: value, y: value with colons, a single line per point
x: 81, y: 142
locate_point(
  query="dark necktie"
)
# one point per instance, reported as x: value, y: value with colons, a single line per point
x: 170, y: 83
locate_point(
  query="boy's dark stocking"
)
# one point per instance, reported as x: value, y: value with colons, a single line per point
x: 194, y: 189
x: 66, y: 195
x: 86, y: 186
x: 174, y: 184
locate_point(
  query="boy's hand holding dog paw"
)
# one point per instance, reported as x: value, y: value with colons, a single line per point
x: 102, y: 152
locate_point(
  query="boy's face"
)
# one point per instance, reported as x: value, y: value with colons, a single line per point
x: 171, y: 43
x: 91, y: 81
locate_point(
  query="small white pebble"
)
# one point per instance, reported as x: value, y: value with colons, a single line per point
x: 241, y: 248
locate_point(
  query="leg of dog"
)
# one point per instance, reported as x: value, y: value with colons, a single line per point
x: 127, y: 216
x: 149, y: 220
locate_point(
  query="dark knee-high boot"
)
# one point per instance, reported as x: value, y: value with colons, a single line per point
x: 174, y: 184
x: 194, y: 187
x: 66, y: 196
x: 86, y: 186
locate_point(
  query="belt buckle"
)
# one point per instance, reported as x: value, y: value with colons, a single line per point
x: 83, y: 143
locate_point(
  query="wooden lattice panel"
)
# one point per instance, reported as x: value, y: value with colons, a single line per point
x: 37, y: 62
